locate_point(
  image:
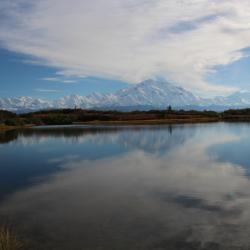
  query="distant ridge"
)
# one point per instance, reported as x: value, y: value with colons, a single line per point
x: 149, y: 94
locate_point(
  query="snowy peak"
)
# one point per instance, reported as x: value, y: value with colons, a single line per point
x: 237, y: 99
x: 240, y: 97
x: 150, y: 93
x: 156, y: 93
x: 24, y: 103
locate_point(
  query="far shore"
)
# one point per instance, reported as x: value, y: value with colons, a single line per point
x: 149, y: 122
x: 5, y: 128
x: 11, y: 121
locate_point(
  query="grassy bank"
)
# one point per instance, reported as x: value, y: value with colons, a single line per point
x: 111, y: 117
x: 150, y: 122
x: 80, y: 116
x: 4, y: 128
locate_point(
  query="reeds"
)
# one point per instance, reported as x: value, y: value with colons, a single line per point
x: 9, y: 241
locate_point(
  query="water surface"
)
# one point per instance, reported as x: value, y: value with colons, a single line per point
x: 168, y: 187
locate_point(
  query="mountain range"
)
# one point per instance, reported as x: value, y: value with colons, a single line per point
x: 149, y: 94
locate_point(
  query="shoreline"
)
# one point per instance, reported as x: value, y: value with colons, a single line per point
x: 11, y: 121
x: 149, y: 122
x: 5, y: 128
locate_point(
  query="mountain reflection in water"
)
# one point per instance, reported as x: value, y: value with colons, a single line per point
x: 160, y: 187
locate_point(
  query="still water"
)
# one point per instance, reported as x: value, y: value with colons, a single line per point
x: 175, y: 187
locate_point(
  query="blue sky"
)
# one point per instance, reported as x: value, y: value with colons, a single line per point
x: 103, y: 46
x: 234, y: 74
x: 20, y: 77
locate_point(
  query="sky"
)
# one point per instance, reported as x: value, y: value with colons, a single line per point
x: 19, y: 77
x: 52, y: 48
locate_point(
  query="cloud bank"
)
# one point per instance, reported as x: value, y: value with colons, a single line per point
x: 130, y: 40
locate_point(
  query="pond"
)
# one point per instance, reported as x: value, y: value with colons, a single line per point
x: 174, y: 187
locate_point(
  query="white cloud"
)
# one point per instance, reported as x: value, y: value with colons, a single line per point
x: 131, y: 40
x: 187, y: 188
x: 50, y: 79
x: 69, y: 81
x: 58, y: 79
x: 48, y: 90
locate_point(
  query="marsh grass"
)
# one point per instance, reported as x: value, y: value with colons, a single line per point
x: 9, y: 240
x: 4, y: 128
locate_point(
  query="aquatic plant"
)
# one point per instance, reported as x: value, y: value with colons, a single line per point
x: 9, y: 240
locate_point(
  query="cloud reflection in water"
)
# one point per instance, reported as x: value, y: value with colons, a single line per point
x: 184, y: 198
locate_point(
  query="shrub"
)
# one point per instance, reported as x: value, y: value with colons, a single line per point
x: 4, y: 115
x: 57, y: 120
x: 14, y: 122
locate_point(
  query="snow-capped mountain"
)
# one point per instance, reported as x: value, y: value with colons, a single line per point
x: 147, y: 94
x: 238, y: 99
x: 24, y: 104
x: 157, y: 93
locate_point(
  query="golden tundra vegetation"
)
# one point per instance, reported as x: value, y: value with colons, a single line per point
x: 10, y: 120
